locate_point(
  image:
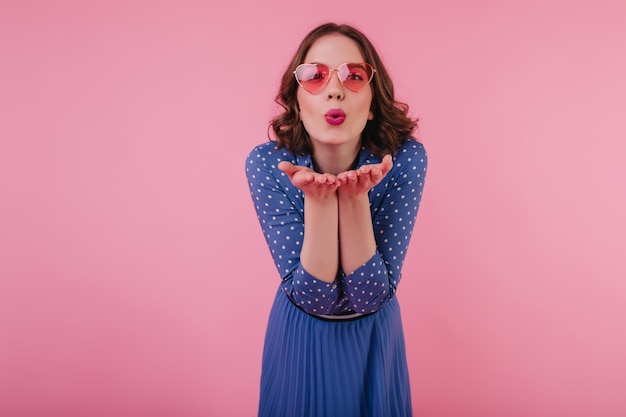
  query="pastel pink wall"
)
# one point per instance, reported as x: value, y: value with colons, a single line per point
x: 134, y: 279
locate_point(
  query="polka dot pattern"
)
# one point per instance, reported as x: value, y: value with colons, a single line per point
x: 394, y: 203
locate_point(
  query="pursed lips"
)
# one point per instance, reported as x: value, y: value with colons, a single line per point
x: 335, y: 116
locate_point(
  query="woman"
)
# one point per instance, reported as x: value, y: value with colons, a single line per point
x: 337, y: 193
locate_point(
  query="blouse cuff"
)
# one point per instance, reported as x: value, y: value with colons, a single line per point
x: 368, y: 286
x: 313, y: 295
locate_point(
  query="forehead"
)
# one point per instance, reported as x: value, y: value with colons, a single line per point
x: 334, y: 50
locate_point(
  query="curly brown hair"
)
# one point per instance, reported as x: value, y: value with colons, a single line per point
x: 390, y: 125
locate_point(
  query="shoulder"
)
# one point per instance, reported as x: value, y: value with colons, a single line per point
x: 266, y: 151
x: 262, y: 162
x: 411, y: 152
x: 411, y: 147
x: 267, y: 154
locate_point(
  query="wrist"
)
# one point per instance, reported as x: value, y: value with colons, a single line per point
x: 351, y: 197
x: 321, y: 202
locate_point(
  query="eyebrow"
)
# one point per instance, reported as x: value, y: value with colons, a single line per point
x: 360, y: 63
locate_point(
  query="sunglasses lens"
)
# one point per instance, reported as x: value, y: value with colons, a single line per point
x: 312, y: 77
x: 355, y: 76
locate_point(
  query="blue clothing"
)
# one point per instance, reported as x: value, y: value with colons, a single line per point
x: 318, y: 367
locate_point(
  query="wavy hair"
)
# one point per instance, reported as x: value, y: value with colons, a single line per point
x: 384, y: 134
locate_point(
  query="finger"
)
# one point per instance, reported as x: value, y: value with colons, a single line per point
x: 376, y: 173
x: 302, y: 177
x: 386, y: 164
x: 288, y: 168
x: 348, y: 176
x: 365, y: 169
x: 330, y: 179
x: 324, y: 179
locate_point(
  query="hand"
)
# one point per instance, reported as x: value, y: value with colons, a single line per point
x: 312, y: 183
x: 362, y: 180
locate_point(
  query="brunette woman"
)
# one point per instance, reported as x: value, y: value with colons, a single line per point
x: 337, y: 191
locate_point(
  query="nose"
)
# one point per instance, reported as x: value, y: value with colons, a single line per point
x: 334, y: 89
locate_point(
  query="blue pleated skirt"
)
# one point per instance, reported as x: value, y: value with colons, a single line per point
x: 322, y: 368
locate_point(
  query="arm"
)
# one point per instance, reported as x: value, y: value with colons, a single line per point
x: 356, y: 235
x: 390, y: 219
x: 280, y: 209
x: 320, y: 248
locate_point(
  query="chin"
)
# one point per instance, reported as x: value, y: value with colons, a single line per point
x: 333, y: 141
x: 336, y: 138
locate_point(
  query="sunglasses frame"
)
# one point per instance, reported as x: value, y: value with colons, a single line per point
x: 330, y: 71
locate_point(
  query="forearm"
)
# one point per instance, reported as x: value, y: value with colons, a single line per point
x: 356, y: 235
x: 320, y: 247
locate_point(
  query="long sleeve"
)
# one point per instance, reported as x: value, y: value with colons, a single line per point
x: 280, y: 209
x: 394, y: 205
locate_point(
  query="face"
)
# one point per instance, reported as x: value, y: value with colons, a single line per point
x: 321, y: 112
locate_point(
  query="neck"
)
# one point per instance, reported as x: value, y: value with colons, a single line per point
x: 331, y: 159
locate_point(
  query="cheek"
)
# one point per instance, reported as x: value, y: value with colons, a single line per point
x: 370, y: 113
x: 306, y: 105
x: 304, y: 98
x: 366, y: 107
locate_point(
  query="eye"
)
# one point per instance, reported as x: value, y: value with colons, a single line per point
x: 355, y: 76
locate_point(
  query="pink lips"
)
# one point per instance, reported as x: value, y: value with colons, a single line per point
x: 335, y: 117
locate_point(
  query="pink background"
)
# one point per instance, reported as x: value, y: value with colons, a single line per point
x: 134, y: 279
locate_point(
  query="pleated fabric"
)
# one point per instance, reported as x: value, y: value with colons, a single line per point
x: 324, y: 368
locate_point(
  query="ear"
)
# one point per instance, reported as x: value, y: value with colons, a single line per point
x: 370, y: 115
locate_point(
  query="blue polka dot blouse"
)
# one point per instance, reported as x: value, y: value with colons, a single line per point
x: 393, y: 202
